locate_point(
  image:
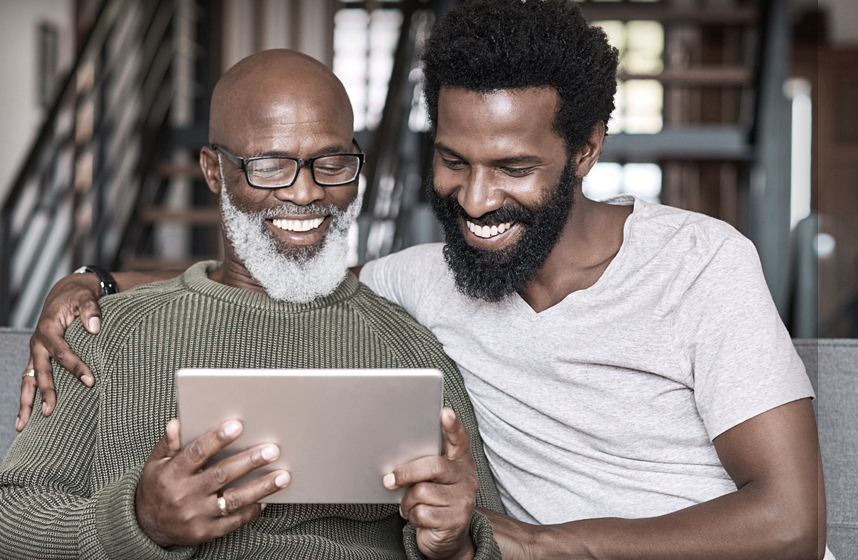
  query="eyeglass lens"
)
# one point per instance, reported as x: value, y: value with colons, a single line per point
x: 327, y: 170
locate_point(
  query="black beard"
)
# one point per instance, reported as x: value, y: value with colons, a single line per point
x: 493, y: 275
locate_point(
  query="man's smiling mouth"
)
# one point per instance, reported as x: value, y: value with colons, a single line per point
x: 297, y: 225
x: 487, y: 232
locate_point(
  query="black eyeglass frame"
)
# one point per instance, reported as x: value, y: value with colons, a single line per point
x: 241, y: 163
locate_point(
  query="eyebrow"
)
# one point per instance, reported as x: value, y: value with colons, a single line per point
x: 509, y: 160
x: 327, y: 150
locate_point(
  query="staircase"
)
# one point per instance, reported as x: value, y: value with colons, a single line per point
x: 112, y: 147
x: 113, y: 177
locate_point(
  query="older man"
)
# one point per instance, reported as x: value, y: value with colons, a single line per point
x: 637, y: 394
x: 102, y: 477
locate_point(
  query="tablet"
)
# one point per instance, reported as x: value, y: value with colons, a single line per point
x: 339, y: 430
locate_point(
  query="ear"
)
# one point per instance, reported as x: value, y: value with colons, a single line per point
x: 211, y: 169
x: 588, y: 155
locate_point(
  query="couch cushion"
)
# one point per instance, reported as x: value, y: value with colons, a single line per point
x: 14, y: 352
x: 836, y: 377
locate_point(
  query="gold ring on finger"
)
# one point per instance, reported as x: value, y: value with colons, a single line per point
x: 221, y: 504
x: 29, y: 372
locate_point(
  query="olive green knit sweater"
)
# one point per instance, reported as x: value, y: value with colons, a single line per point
x: 67, y: 484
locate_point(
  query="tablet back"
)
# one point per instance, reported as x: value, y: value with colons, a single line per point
x: 339, y: 430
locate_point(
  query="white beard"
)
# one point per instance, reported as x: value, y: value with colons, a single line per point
x: 298, y: 278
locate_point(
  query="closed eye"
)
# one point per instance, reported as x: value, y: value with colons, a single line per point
x: 453, y: 163
x: 517, y: 171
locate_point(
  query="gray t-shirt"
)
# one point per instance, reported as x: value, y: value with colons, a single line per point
x: 607, y: 403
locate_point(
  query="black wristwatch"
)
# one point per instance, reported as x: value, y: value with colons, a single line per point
x: 108, y: 283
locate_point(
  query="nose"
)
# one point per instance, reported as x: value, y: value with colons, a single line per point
x: 303, y: 191
x: 480, y: 192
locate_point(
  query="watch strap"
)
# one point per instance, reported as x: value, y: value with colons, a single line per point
x: 107, y: 281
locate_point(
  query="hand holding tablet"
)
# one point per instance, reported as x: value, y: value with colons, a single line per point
x: 440, y: 502
x: 359, y: 436
x: 339, y: 430
x: 179, y: 503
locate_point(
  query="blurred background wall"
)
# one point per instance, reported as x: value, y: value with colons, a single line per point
x: 745, y: 110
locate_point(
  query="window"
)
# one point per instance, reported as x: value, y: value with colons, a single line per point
x: 364, y: 47
x: 606, y: 180
x: 639, y: 101
x: 639, y: 109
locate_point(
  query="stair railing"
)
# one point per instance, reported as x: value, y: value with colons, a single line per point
x: 75, y: 194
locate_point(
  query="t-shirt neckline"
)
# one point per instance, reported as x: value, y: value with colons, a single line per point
x: 620, y: 200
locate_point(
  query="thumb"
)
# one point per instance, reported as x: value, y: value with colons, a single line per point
x: 457, y: 442
x: 170, y: 443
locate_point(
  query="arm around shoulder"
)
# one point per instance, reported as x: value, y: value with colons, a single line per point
x: 73, y: 296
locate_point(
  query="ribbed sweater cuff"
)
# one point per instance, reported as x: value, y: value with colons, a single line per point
x: 116, y: 522
x: 481, y: 533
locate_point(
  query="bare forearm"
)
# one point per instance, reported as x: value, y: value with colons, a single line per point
x: 776, y: 513
x: 733, y: 526
x: 725, y: 528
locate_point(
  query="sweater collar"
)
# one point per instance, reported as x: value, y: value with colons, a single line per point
x: 196, y: 279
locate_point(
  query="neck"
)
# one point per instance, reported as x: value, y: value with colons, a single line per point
x: 588, y: 243
x: 232, y: 272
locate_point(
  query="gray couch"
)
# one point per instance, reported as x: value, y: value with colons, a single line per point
x: 831, y: 364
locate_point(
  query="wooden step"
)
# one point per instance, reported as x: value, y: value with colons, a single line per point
x: 189, y: 170
x: 207, y: 216
x: 143, y: 263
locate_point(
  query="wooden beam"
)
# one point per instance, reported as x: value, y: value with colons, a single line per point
x: 723, y: 143
x: 725, y: 76
x: 740, y: 15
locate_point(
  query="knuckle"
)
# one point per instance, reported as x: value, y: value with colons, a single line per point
x: 198, y: 533
x: 421, y: 492
x: 196, y: 451
x: 186, y: 518
x: 234, y: 501
x: 421, y: 514
x: 256, y: 459
x: 473, y: 483
x: 240, y: 519
x: 219, y: 475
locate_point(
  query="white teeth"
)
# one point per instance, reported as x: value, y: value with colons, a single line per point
x: 297, y: 225
x: 485, y: 231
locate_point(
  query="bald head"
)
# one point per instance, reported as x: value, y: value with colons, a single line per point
x: 275, y: 87
x: 289, y: 241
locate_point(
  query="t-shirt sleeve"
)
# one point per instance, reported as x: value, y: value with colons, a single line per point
x: 406, y: 277
x: 732, y: 341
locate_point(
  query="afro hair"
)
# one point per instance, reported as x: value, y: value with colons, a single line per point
x: 492, y: 45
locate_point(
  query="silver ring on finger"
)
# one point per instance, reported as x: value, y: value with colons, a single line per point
x: 221, y: 504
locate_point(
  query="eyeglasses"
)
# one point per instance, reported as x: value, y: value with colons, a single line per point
x: 268, y: 172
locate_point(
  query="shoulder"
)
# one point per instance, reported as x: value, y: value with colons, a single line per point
x: 412, y: 261
x: 667, y: 222
x: 391, y: 319
x: 410, y: 276
x: 689, y: 240
x: 125, y: 312
x: 398, y: 330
